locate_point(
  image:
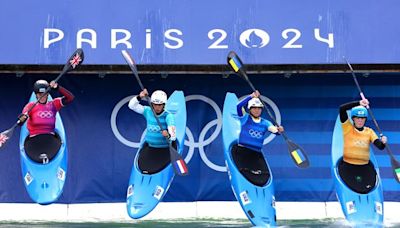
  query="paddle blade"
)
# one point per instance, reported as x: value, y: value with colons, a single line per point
x: 236, y: 64
x: 396, y: 168
x: 75, y: 60
x: 298, y: 155
x: 179, y: 165
x: 128, y: 58
x: 5, y: 136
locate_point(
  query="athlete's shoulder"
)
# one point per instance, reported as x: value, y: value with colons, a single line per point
x: 29, y: 105
x: 266, y: 122
x: 369, y: 130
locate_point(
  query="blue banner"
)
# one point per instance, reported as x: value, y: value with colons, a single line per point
x: 201, y: 32
x: 103, y: 133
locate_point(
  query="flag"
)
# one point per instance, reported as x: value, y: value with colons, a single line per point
x: 235, y: 64
x: 298, y: 156
x: 181, y: 166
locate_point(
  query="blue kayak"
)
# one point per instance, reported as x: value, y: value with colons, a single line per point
x: 44, y: 181
x: 256, y: 200
x: 146, y: 190
x: 360, y: 209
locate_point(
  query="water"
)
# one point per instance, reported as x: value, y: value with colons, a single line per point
x: 198, y: 223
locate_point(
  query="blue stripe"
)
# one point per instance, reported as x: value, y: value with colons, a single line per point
x: 331, y: 102
x: 306, y: 196
x: 328, y: 125
x: 322, y: 196
x: 317, y: 185
x: 323, y: 91
x: 332, y: 113
x: 282, y: 159
x: 304, y: 184
x: 296, y: 173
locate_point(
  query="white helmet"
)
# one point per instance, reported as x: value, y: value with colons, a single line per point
x: 255, y: 103
x: 158, y: 97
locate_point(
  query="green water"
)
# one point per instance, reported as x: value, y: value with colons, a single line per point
x: 231, y: 223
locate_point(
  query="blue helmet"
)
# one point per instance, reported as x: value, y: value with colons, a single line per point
x: 359, y: 111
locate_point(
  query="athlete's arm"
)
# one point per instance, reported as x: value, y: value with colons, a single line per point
x: 241, y: 104
x: 67, y: 98
x: 343, y: 110
x: 24, y: 115
x: 171, y: 126
x: 379, y: 144
x: 135, y: 105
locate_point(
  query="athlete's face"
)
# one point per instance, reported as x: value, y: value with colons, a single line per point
x: 43, y: 99
x: 256, y: 112
x: 359, y: 122
x: 159, y: 108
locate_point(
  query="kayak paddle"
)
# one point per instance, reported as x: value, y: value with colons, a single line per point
x: 393, y: 161
x: 75, y: 60
x: 297, y: 153
x: 178, y: 163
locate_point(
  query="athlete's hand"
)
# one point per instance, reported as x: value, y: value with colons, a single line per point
x: 22, y: 118
x: 280, y: 129
x: 384, y: 139
x: 165, y: 133
x: 143, y: 93
x: 255, y: 94
x: 364, y: 102
x: 53, y: 85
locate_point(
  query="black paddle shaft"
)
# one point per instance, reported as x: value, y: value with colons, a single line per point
x: 175, y: 156
x: 265, y: 105
x: 73, y: 61
x: 368, y: 108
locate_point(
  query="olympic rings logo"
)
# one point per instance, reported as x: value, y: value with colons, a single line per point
x: 190, y: 142
x: 45, y: 114
x: 255, y: 134
x: 153, y: 128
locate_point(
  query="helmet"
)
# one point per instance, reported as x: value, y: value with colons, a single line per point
x: 158, y: 97
x: 255, y: 103
x: 40, y: 86
x: 359, y: 111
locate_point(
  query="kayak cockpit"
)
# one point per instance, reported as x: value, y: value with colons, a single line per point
x: 42, y: 148
x: 251, y: 164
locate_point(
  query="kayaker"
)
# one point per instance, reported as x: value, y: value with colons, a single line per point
x: 247, y: 154
x: 156, y: 146
x: 356, y: 169
x: 41, y: 120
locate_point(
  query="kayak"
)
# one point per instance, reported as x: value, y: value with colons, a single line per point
x: 360, y: 209
x: 148, y: 187
x: 44, y: 177
x: 256, y: 198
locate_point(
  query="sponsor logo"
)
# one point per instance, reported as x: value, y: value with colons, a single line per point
x: 174, y: 38
x: 255, y: 134
x: 254, y: 38
x: 351, y: 207
x: 130, y: 191
x: 158, y: 192
x: 61, y: 174
x: 28, y: 178
x: 153, y: 128
x: 273, y: 201
x: 379, y: 208
x: 45, y: 114
x: 360, y: 143
x: 245, y: 198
